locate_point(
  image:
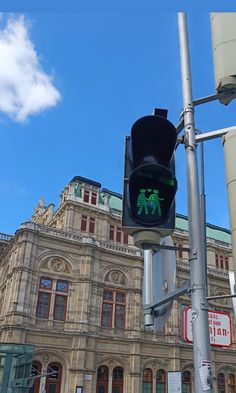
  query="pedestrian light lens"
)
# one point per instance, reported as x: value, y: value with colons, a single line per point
x: 152, y: 191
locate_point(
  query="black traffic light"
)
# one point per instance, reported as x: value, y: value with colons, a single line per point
x: 149, y: 180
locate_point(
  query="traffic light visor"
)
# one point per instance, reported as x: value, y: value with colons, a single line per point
x: 153, y: 139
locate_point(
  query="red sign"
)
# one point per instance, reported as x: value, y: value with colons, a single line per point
x: 219, y: 327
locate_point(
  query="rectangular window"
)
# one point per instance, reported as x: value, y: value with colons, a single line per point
x: 107, y: 315
x: 57, y: 300
x: 113, y: 309
x: 45, y: 283
x: 60, y: 307
x: 86, y: 196
x: 43, y: 305
x: 94, y: 198
x: 217, y: 260
x: 112, y: 232
x: 91, y: 225
x: 118, y: 235
x: 126, y: 238
x: 83, y: 223
x: 221, y: 262
x: 180, y: 251
x: 120, y: 317
x: 62, y: 286
x: 226, y: 263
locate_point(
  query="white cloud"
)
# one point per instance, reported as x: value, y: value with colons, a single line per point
x: 25, y: 88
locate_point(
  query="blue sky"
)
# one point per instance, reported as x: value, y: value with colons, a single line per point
x: 90, y: 75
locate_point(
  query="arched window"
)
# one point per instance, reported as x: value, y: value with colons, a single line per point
x: 161, y: 381
x: 102, y: 379
x: 221, y: 383
x: 117, y: 380
x: 186, y: 382
x: 231, y: 383
x: 53, y: 381
x: 35, y: 371
x: 147, y: 381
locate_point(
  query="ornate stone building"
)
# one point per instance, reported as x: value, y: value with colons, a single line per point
x: 71, y: 285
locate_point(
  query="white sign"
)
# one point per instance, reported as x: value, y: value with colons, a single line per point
x: 219, y: 327
x: 205, y: 372
x: 174, y: 381
x: 88, y: 377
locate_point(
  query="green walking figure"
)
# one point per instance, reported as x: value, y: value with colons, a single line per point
x: 142, y: 202
x: 155, y: 201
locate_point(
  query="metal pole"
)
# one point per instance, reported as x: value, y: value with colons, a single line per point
x: 203, y: 214
x: 148, y: 286
x: 201, y: 339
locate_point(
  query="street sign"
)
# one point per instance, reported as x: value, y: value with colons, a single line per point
x: 163, y: 281
x: 219, y: 327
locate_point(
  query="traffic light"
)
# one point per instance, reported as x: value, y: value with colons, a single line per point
x: 149, y: 179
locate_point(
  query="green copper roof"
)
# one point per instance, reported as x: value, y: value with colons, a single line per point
x: 213, y: 231
x: 115, y: 203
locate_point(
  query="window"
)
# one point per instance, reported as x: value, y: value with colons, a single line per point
x: 222, y: 261
x: 53, y: 381
x: 147, y: 381
x: 221, y: 383
x: 116, y: 234
x: 178, y: 253
x: 83, y: 223
x: 45, y: 283
x: 60, y: 307
x: 90, y: 197
x: 87, y: 224
x: 102, y: 379
x: 226, y: 263
x: 186, y: 382
x: 86, y: 196
x: 91, y: 224
x: 231, y: 383
x: 112, y: 232
x: 35, y: 371
x: 117, y: 380
x: 113, y: 309
x: 52, y: 293
x: 94, y: 198
x: 161, y: 381
x: 43, y: 305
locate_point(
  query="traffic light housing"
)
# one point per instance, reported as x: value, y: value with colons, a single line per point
x: 149, y: 179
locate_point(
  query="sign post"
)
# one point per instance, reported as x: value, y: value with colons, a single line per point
x: 201, y: 339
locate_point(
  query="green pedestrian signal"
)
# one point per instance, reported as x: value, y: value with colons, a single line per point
x: 149, y: 182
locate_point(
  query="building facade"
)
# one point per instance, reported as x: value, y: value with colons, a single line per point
x: 71, y: 285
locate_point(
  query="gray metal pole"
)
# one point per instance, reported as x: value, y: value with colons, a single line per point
x: 203, y: 214
x: 201, y: 339
x: 148, y: 285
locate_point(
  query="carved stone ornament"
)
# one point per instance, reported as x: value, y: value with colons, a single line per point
x: 45, y: 358
x: 116, y: 277
x: 57, y: 265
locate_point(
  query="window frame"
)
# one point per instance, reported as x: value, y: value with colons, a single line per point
x: 53, y: 295
x: 115, y: 234
x: 49, y: 294
x: 114, y: 303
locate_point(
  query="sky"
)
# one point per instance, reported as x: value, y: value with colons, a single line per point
x: 72, y: 83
